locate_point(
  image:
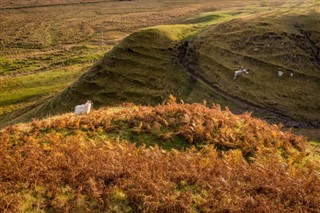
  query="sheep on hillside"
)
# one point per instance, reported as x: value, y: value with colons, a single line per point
x: 240, y: 71
x: 83, y: 109
x: 280, y: 73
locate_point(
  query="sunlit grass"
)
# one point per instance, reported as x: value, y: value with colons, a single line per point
x: 28, y: 88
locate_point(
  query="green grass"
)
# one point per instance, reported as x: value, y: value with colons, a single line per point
x: 78, y: 54
x: 143, y: 71
x: 82, y: 53
x: 79, y: 59
x: 265, y: 45
x: 30, y: 78
x: 175, y: 32
x: 57, y: 37
x: 209, y: 18
x: 9, y: 65
x: 143, y: 67
x: 212, y: 18
x: 5, y: 64
x: 31, y: 87
x: 147, y: 72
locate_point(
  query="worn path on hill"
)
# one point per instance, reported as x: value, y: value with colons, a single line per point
x: 190, y: 65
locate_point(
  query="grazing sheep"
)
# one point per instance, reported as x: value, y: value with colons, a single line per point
x: 237, y: 74
x: 240, y: 71
x: 83, y: 109
x: 291, y: 74
x: 280, y: 73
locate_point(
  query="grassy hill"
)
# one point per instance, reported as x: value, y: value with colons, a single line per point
x: 264, y: 45
x: 64, y: 38
x: 196, y: 61
x: 171, y: 157
x: 135, y: 71
x: 137, y: 151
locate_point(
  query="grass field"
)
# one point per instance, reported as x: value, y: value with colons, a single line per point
x: 45, y: 38
x: 42, y: 36
x: 65, y: 42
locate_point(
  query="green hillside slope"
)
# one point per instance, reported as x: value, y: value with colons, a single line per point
x: 264, y: 46
x: 197, y: 61
x: 141, y: 69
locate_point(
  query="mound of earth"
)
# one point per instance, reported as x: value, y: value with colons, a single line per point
x: 189, y: 157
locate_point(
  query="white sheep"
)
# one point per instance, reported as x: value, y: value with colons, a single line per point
x: 83, y: 109
x: 240, y: 71
x: 280, y: 73
x: 237, y: 74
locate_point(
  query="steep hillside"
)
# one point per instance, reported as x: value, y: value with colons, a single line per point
x: 42, y: 40
x: 197, y: 61
x: 265, y: 46
x: 187, y: 158
x: 140, y: 69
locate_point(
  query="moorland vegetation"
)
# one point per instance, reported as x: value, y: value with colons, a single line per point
x: 169, y: 158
